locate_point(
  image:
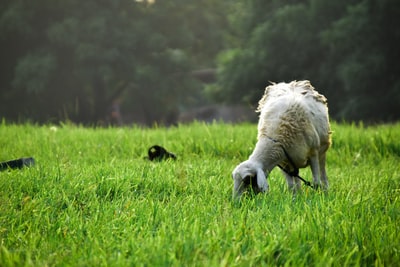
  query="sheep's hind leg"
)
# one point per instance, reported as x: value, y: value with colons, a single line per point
x: 314, y: 162
x: 292, y: 182
x: 324, y: 178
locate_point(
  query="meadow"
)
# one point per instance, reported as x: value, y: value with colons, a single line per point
x: 92, y: 199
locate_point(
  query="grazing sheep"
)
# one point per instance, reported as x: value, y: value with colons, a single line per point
x: 293, y: 132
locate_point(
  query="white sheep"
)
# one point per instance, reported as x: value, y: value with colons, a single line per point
x: 293, y: 129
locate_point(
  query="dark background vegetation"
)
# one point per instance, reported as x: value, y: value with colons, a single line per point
x: 86, y: 61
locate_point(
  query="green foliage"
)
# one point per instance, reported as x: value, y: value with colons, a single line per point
x: 346, y: 48
x: 33, y: 72
x: 92, y: 199
x: 72, y: 59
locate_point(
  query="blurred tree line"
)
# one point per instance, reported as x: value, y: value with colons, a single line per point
x: 77, y: 59
x: 84, y: 60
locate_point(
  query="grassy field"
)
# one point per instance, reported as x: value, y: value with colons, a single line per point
x: 93, y: 200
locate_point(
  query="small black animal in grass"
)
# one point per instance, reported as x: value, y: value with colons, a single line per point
x: 158, y: 153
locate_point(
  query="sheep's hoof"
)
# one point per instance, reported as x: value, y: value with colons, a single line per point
x: 264, y: 189
x: 320, y: 187
x: 316, y: 186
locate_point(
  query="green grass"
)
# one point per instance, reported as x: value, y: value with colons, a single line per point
x: 93, y: 200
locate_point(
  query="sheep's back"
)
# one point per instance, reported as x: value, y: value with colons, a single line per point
x: 291, y: 111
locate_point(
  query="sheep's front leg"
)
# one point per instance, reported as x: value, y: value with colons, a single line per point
x: 314, y: 162
x: 293, y: 183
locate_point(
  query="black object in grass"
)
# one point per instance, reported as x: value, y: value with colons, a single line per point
x: 17, y: 163
x: 158, y: 153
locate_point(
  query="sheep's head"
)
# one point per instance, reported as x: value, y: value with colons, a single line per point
x: 249, y: 175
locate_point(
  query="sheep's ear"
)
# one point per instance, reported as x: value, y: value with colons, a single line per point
x: 262, y: 180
